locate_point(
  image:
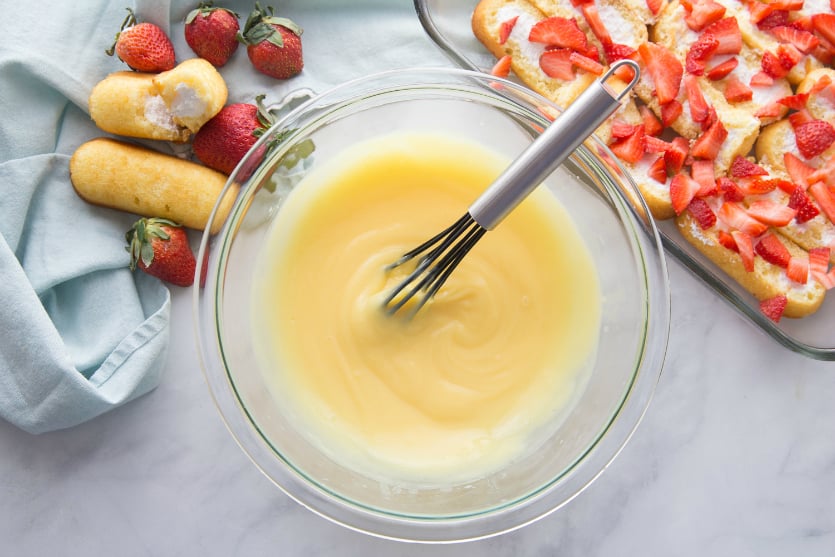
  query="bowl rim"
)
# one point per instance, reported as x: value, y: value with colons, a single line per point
x: 498, y: 520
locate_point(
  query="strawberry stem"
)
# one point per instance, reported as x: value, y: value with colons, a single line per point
x: 139, y: 239
x: 204, y: 9
x: 260, y: 24
x: 129, y: 21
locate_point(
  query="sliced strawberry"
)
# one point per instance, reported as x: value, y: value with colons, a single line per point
x: 773, y: 250
x: 787, y: 5
x: 800, y: 202
x: 658, y: 170
x: 729, y: 189
x: 745, y: 247
x: 506, y: 28
x: 559, y: 31
x: 761, y: 79
x: 823, y: 83
x: 825, y: 52
x: 774, y: 307
x: 699, y: 53
x: 727, y: 32
x: 621, y: 129
x: 773, y: 66
x: 652, y: 125
x: 654, y: 144
x: 664, y: 69
x: 802, y: 22
x: 708, y: 144
x: 798, y: 269
x: 813, y: 138
x: 670, y: 112
x: 786, y: 185
x: 796, y: 102
x: 712, y: 117
x: 698, y: 105
x: 703, y: 14
x: 758, y: 186
x: 819, y: 259
x: 825, y: 173
x: 722, y: 69
x: 771, y: 213
x: 702, y: 212
x: 676, y: 155
x: 736, y: 91
x: 824, y: 198
x: 804, y: 41
x: 742, y: 167
x: 770, y: 110
x: 702, y: 171
x: 592, y: 16
x: 557, y: 64
x: 819, y: 263
x: 502, y: 67
x: 727, y: 240
x: 615, y: 52
x: 735, y: 216
x: 654, y: 6
x: 798, y: 170
x: 758, y: 11
x: 586, y: 64
x: 825, y: 25
x: 776, y: 18
x: 789, y: 56
x: 630, y: 149
x: 683, y: 189
x: 800, y: 117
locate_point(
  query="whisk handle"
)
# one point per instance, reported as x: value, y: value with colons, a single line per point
x: 550, y: 149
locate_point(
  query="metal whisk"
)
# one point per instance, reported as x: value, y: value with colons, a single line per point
x: 441, y: 254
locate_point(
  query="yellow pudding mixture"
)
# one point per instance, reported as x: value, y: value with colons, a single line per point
x: 482, y: 372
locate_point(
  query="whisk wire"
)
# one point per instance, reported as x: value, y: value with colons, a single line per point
x: 436, y: 265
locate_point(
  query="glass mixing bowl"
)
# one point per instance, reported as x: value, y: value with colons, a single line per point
x: 606, y: 209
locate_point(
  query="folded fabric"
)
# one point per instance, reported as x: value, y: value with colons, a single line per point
x: 79, y: 333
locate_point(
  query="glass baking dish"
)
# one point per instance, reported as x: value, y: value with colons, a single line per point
x: 447, y: 22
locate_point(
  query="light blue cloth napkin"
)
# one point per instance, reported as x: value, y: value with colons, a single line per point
x: 79, y: 333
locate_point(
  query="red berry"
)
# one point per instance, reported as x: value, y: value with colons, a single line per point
x: 744, y: 168
x: 556, y: 63
x: 664, y: 69
x: 273, y: 44
x: 212, y: 33
x: 806, y: 210
x: 559, y: 31
x: 160, y: 248
x: 143, y: 46
x: 814, y: 137
x: 702, y: 212
x: 222, y: 142
x: 773, y: 308
x: 773, y: 250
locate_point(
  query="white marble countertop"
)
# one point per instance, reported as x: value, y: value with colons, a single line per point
x: 735, y: 457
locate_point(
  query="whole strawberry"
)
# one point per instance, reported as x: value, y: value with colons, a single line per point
x: 160, y: 248
x: 143, y: 46
x: 212, y: 33
x: 223, y: 141
x: 273, y: 44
